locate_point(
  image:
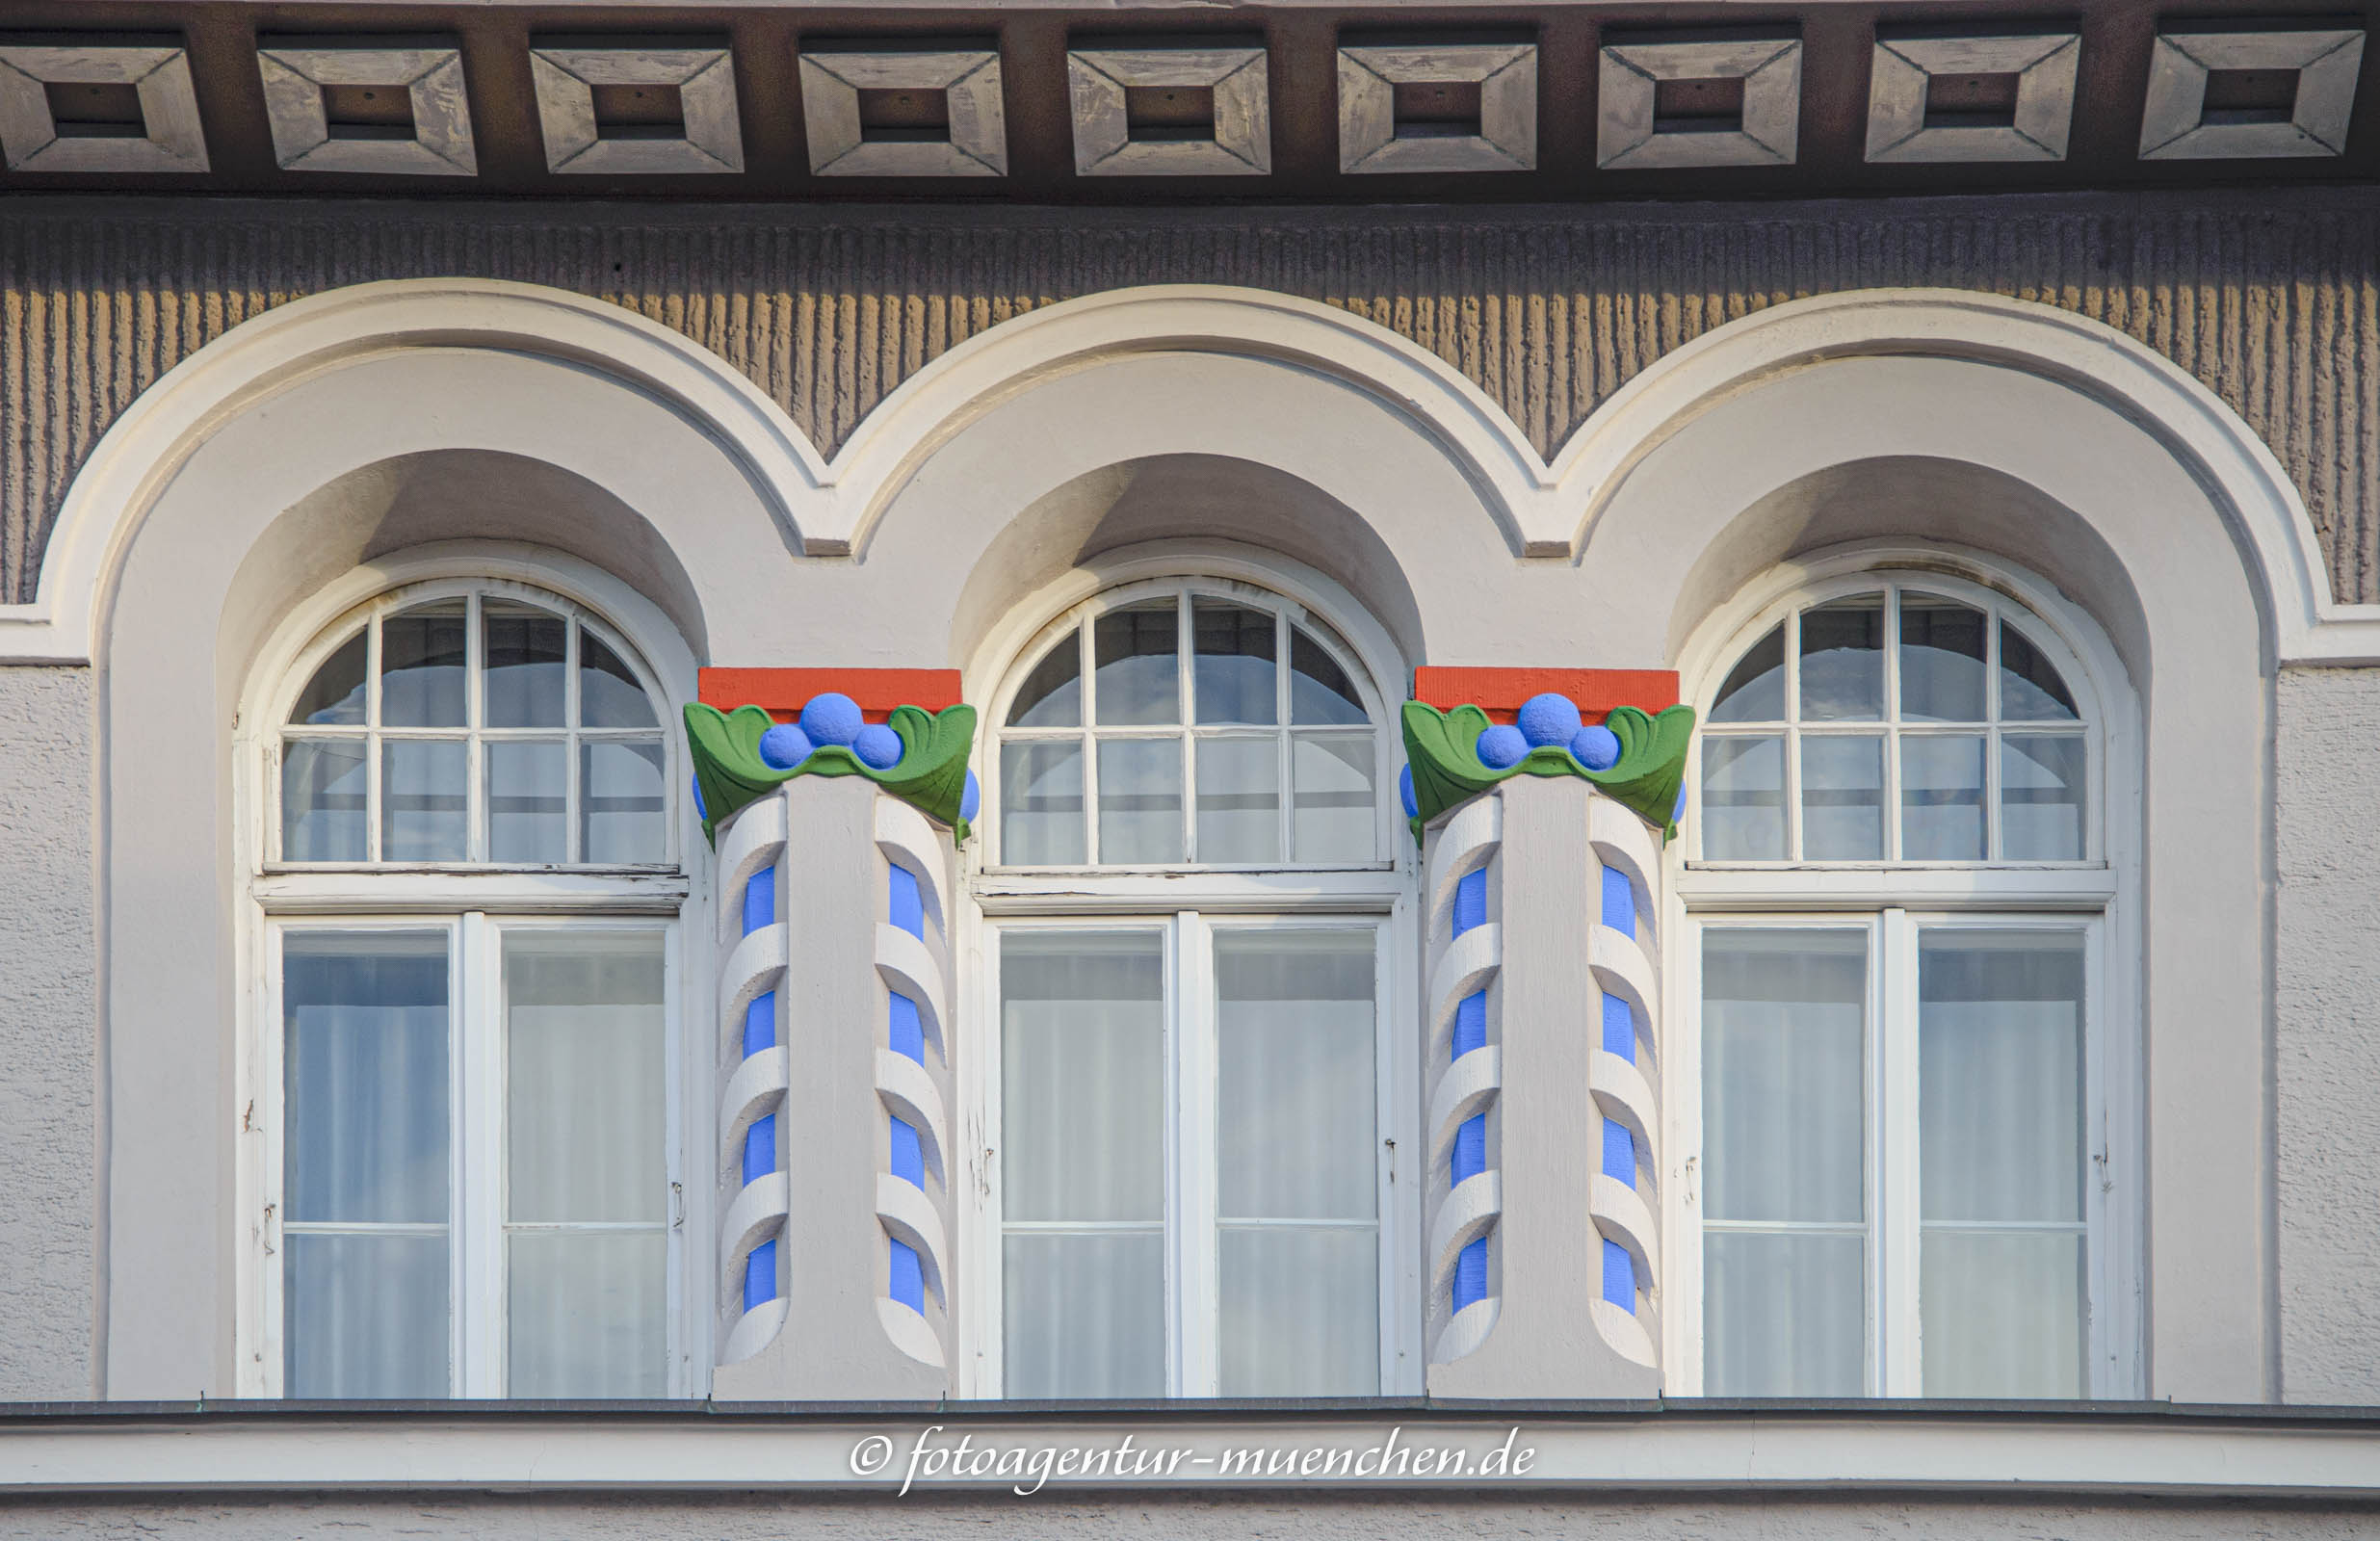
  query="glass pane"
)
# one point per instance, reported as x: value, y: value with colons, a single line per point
x: 1842, y: 660
x: 1052, y: 695
x: 1742, y: 805
x: 1083, y: 1075
x: 1942, y: 798
x: 1041, y: 804
x: 1842, y: 798
x: 1085, y: 1314
x: 2000, y: 1054
x: 1320, y: 692
x: 584, y: 1071
x: 525, y: 654
x: 364, y: 1316
x: 1784, y: 1314
x: 1941, y: 660
x: 588, y: 1314
x: 2030, y: 687
x: 2002, y: 1313
x: 2041, y: 795
x: 1332, y: 809
x: 1238, y: 799
x: 623, y: 803
x: 1755, y: 688
x: 608, y: 694
x: 1783, y: 1029
x: 1235, y: 674
x: 364, y: 1018
x: 1140, y: 801
x: 423, y: 807
x: 1294, y: 1075
x: 422, y: 654
x: 336, y: 691
x: 324, y: 800
x: 528, y: 801
x: 1300, y: 1312
x: 1135, y: 649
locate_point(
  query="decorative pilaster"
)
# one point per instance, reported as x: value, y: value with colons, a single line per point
x: 836, y: 995
x: 1543, y: 1026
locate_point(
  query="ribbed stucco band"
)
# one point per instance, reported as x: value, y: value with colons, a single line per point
x: 2266, y: 296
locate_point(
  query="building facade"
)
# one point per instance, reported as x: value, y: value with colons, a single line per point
x: 775, y: 768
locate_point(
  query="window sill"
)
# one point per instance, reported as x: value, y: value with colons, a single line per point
x: 445, y: 890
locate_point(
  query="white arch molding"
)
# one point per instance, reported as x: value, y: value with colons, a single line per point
x: 830, y: 506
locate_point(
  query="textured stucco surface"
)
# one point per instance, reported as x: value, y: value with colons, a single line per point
x: 2272, y: 298
x: 46, y: 1016
x: 2327, y: 1026
x: 650, y: 1518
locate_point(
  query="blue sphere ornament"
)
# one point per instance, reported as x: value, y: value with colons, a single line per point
x: 1678, y: 812
x: 878, y: 748
x: 784, y: 746
x: 832, y: 718
x: 1501, y: 748
x: 1596, y: 748
x: 1548, y: 719
x: 700, y: 812
x: 971, y: 798
x: 1404, y: 791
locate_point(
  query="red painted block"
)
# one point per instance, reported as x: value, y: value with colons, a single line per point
x: 783, y: 691
x: 1500, y: 692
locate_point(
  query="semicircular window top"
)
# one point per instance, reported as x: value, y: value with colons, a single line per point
x: 484, y: 723
x: 1884, y: 720
x: 1190, y: 723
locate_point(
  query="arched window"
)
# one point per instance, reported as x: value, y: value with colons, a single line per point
x: 1191, y: 1102
x: 460, y: 1068
x: 1910, y: 1174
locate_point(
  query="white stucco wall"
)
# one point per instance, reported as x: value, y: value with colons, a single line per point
x: 2327, y: 1033
x: 47, y: 1015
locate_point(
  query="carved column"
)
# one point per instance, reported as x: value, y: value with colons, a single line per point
x: 1541, y: 1031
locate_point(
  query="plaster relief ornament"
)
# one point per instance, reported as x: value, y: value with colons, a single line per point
x: 918, y: 756
x: 1635, y: 757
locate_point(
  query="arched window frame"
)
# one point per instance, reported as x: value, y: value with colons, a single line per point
x: 1893, y: 900
x: 476, y: 902
x: 1192, y: 903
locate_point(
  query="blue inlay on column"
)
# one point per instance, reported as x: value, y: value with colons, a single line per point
x: 1619, y: 902
x: 760, y: 900
x: 904, y: 1032
x: 908, y: 904
x: 1619, y: 1027
x: 759, y: 1023
x: 909, y: 1276
x: 1470, y: 1148
x: 1470, y: 1023
x: 908, y: 1156
x: 1470, y: 1275
x: 1619, y: 1152
x: 1471, y: 901
x: 760, y: 1148
x: 760, y: 1276
x: 1619, y: 1277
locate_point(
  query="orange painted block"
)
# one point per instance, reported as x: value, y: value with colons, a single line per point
x: 783, y: 691
x: 1500, y: 692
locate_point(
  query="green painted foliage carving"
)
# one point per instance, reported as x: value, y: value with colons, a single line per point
x: 931, y: 774
x: 1441, y: 747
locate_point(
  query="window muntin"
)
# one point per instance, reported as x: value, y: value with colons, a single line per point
x: 1917, y: 720
x: 493, y: 725
x: 475, y: 1170
x: 1194, y: 744
x: 1894, y: 1154
x: 1191, y: 1178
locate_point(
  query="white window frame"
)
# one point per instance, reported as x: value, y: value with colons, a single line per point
x: 2099, y: 894
x: 477, y: 900
x: 1191, y: 902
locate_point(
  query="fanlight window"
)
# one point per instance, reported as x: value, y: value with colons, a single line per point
x: 1185, y: 723
x: 1898, y: 722
x: 492, y: 725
